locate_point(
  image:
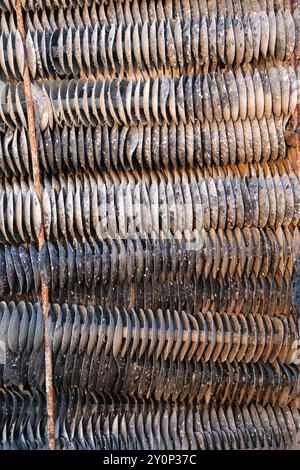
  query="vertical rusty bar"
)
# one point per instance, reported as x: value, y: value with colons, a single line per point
x: 38, y: 189
x: 289, y: 4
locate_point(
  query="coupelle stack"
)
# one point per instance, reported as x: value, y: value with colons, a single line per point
x: 170, y: 209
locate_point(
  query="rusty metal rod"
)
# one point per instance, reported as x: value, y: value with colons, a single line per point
x: 296, y: 119
x: 44, y: 295
x: 193, y: 336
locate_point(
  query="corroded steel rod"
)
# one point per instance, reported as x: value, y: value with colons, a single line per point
x: 38, y: 189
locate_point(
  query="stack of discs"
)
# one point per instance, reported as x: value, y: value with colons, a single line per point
x: 170, y: 210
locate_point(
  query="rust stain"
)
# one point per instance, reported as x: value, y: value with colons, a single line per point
x: 38, y: 189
